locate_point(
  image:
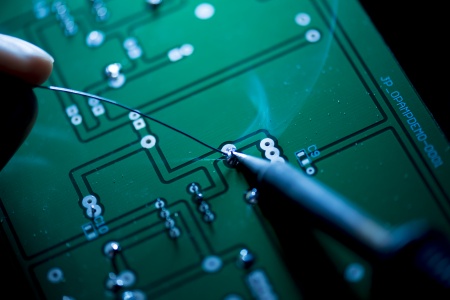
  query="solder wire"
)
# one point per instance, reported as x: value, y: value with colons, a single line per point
x: 103, y: 99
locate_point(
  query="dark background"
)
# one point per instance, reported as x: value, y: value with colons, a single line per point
x: 417, y: 32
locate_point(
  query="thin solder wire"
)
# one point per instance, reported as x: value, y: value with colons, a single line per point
x: 66, y: 90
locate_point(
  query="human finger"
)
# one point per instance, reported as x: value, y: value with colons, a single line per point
x: 24, y: 60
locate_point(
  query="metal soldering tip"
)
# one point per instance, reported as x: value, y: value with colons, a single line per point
x: 232, y: 158
x: 237, y: 155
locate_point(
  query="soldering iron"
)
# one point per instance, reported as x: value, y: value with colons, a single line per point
x: 409, y: 260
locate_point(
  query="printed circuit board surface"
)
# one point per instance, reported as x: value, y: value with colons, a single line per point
x: 103, y: 203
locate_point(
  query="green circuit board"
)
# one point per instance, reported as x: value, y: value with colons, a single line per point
x: 103, y: 203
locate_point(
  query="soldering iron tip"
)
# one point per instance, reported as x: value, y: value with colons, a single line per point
x: 233, y: 158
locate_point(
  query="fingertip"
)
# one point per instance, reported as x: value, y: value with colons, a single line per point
x: 24, y: 60
x: 39, y: 71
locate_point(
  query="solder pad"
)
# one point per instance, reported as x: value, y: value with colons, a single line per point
x: 310, y: 83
